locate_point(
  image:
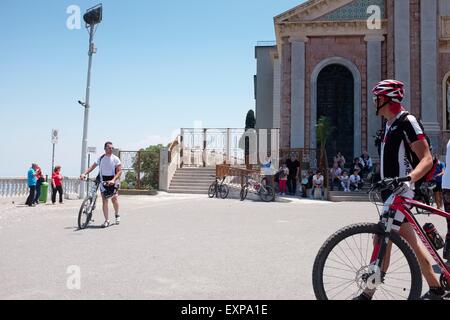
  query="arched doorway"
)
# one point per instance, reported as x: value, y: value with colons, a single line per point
x: 336, y: 101
x: 357, y: 103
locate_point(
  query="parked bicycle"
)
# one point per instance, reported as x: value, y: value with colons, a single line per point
x: 89, y: 204
x: 372, y: 258
x: 218, y: 189
x: 425, y: 194
x: 264, y: 190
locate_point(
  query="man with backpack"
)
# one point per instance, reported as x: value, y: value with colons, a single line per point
x: 405, y: 152
x: 110, y: 169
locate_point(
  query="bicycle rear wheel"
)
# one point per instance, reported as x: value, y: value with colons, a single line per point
x: 267, y: 194
x: 342, y: 270
x: 85, y: 214
x: 212, y: 191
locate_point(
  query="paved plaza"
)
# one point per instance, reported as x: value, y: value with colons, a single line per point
x: 170, y: 247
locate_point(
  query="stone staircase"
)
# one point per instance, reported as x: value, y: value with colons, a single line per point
x: 192, y: 180
x: 356, y: 196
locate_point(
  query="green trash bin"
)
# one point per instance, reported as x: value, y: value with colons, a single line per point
x: 44, y: 192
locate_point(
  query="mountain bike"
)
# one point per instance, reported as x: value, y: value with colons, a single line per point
x: 218, y: 188
x: 89, y: 204
x: 374, y: 258
x: 265, y: 191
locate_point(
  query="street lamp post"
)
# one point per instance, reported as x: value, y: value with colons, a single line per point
x: 92, y: 18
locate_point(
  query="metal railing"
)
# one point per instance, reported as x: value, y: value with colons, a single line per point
x: 202, y: 147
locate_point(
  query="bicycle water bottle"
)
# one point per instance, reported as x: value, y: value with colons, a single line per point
x: 434, y: 236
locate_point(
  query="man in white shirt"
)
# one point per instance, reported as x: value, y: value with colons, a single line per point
x: 110, y: 169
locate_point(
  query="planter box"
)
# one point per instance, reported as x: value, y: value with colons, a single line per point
x: 134, y: 192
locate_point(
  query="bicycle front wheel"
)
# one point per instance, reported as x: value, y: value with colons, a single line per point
x: 85, y: 214
x: 224, y: 190
x: 343, y: 270
x: 244, y: 193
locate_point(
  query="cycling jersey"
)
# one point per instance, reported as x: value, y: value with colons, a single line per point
x: 397, y: 158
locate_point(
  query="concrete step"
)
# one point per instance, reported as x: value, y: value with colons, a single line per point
x: 347, y: 194
x: 188, y: 174
x: 192, y: 187
x: 188, y: 191
x: 196, y: 179
x: 189, y: 184
x: 197, y: 170
x: 200, y: 173
x: 340, y: 196
x: 349, y: 199
x: 192, y: 180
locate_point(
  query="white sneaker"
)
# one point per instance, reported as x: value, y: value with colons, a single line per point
x: 106, y: 224
x: 117, y: 219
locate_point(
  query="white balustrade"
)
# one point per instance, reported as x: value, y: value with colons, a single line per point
x: 18, y: 187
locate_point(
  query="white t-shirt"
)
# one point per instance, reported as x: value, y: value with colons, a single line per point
x: 446, y: 177
x: 108, y: 165
x: 318, y: 181
x: 355, y: 179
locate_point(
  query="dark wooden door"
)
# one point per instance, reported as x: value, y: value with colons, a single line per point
x: 335, y: 100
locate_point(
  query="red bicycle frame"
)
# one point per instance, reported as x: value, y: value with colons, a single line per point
x: 404, y: 205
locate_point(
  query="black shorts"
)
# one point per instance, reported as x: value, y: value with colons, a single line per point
x: 109, y: 191
x: 438, y: 187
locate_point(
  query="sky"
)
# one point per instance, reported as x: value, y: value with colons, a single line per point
x: 160, y: 65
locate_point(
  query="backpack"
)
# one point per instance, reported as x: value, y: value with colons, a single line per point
x: 99, y: 177
x: 410, y: 154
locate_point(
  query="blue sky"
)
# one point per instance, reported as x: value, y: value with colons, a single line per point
x: 161, y: 65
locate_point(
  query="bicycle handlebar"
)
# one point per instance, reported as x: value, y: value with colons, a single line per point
x: 389, y: 183
x: 86, y: 179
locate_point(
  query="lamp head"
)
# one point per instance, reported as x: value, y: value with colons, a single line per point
x: 94, y: 15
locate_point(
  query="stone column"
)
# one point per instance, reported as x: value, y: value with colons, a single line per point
x: 298, y: 93
x: 402, y: 46
x: 276, y: 93
x: 373, y: 77
x: 228, y: 146
x: 428, y: 65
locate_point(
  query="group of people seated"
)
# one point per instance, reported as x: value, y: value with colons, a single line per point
x: 350, y: 179
x: 347, y: 179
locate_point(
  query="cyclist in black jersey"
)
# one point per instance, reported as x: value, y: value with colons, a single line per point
x: 404, y: 151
